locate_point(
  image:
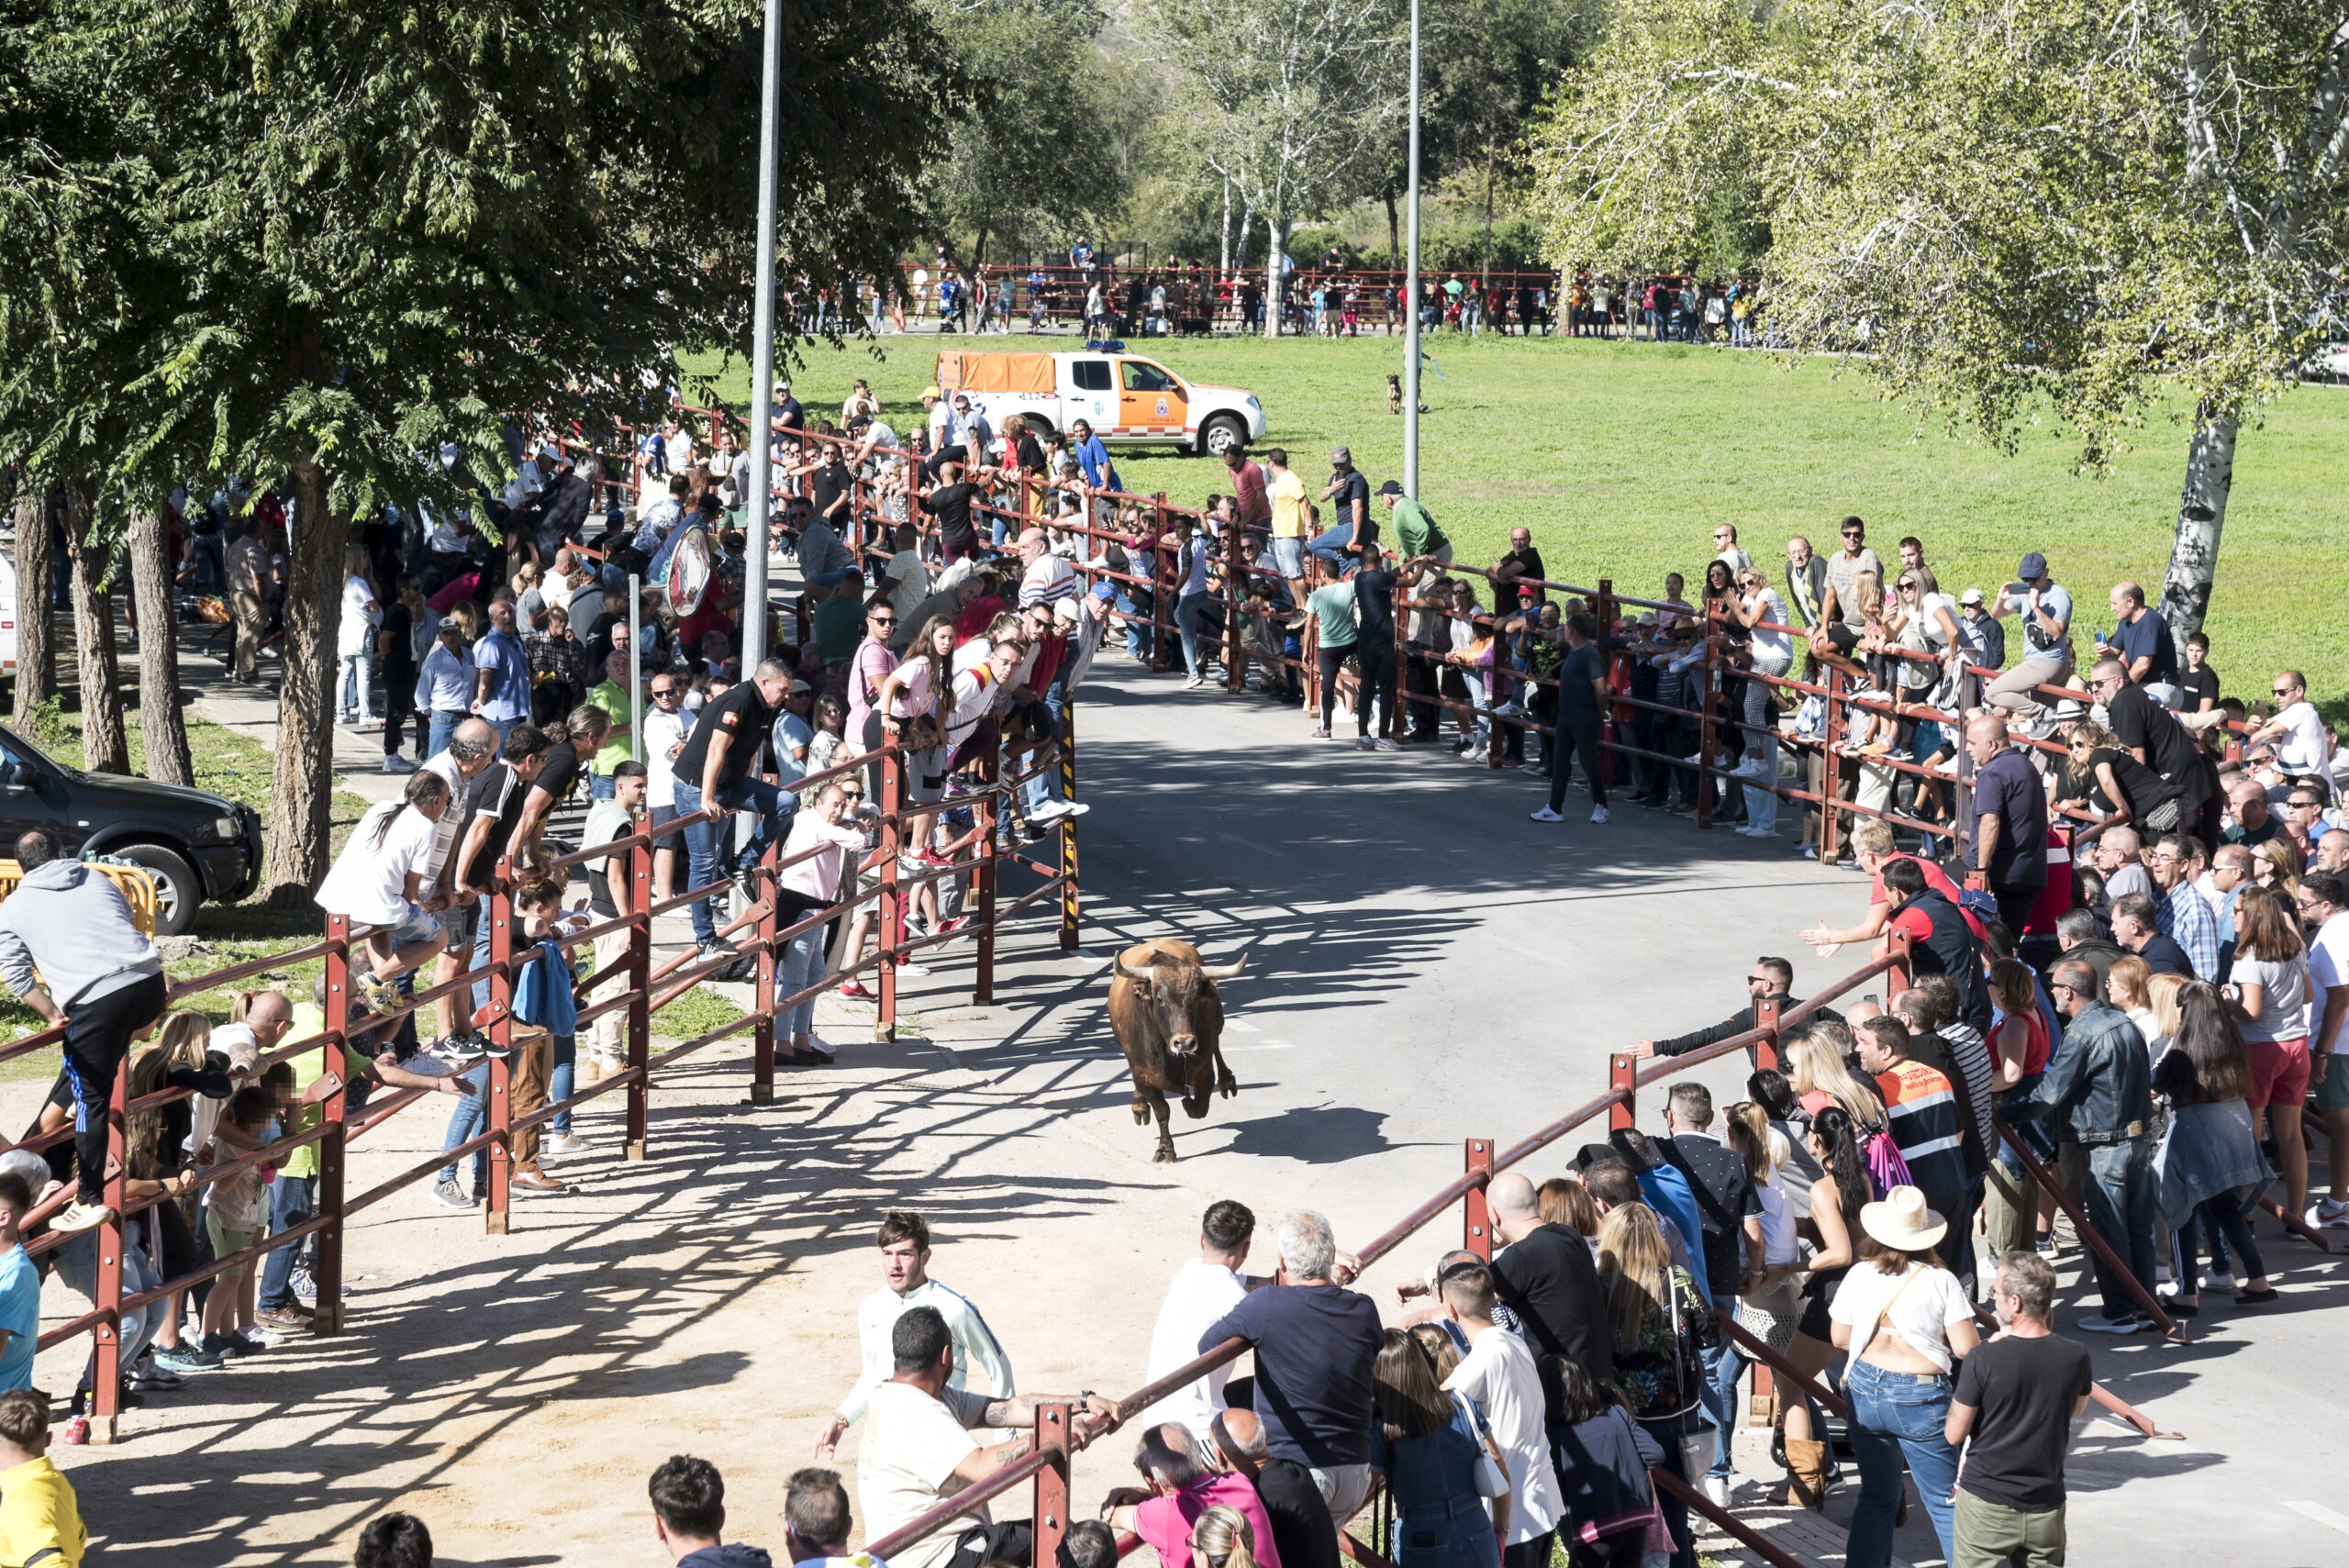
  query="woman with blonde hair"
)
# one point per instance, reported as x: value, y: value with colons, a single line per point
x: 1661, y: 1329
x: 2279, y: 867
x: 2161, y: 995
x: 2128, y: 986
x: 1816, y: 1072
x: 355, y: 639
x: 156, y: 1163
x: 1222, y: 1538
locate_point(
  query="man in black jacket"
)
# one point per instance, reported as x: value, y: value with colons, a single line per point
x: 1769, y: 979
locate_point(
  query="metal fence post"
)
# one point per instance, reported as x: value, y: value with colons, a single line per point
x: 989, y: 816
x: 497, y: 909
x: 639, y: 983
x: 1235, y: 594
x: 891, y: 918
x: 1051, y: 1517
x: 1622, y: 1073
x: 762, y: 1033
x: 106, y: 1376
x: 1766, y: 1017
x: 327, y: 1270
x: 1476, y: 1219
x: 1070, y: 909
x: 1162, y: 613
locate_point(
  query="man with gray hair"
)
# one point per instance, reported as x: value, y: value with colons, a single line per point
x: 1316, y: 1343
x: 2016, y: 1398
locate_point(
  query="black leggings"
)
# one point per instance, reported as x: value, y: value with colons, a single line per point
x: 98, y: 1037
x: 1584, y: 740
x: 1376, y: 660
x: 1332, y: 660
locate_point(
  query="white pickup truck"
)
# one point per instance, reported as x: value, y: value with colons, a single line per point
x: 1127, y: 400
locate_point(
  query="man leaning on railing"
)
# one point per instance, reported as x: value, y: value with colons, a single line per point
x: 98, y: 975
x: 919, y: 1452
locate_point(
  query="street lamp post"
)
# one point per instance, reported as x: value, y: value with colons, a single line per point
x: 754, y: 564
x: 1411, y: 288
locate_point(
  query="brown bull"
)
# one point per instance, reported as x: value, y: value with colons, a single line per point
x: 1169, y: 1021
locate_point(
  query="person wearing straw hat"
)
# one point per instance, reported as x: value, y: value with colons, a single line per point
x: 1904, y: 1323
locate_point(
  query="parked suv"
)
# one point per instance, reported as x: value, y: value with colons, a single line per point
x: 196, y: 845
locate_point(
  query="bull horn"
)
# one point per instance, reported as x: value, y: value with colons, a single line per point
x: 1127, y: 971
x: 1221, y: 971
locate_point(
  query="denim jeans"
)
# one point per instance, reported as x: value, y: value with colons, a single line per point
x: 353, y: 674
x: 802, y: 966
x: 1186, y: 622
x: 602, y: 787
x: 561, y: 1077
x: 292, y: 1200
x: 77, y: 1265
x: 774, y: 806
x: 1045, y: 787
x: 1896, y: 1415
x: 2119, y: 1197
x: 1335, y: 546
x: 468, y: 1120
x: 1723, y: 1367
x: 1459, y: 1535
x: 444, y: 724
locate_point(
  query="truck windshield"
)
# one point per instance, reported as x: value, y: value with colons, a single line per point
x: 1143, y: 377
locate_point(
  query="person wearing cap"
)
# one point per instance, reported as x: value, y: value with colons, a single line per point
x: 1988, y: 638
x: 2046, y: 611
x: 1352, y: 532
x: 1905, y: 1322
x: 939, y: 415
x: 1416, y: 534
x: 444, y: 685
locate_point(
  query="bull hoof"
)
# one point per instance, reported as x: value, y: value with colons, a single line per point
x: 1142, y: 1114
x: 1196, y: 1108
x: 1226, y: 1085
x: 1166, y: 1155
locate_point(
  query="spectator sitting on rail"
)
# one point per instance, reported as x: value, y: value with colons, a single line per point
x: 72, y: 924
x: 2097, y: 1091
x: 689, y: 1512
x: 1179, y: 1484
x: 377, y: 880
x: 1769, y: 980
x: 1497, y: 1376
x: 715, y: 769
x: 904, y: 1264
x: 394, y: 1540
x: 921, y: 1449
x: 1315, y: 1343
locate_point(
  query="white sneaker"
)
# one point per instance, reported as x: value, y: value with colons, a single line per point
x: 1749, y: 769
x: 1717, y: 1488
x: 822, y: 1047
x: 917, y: 970
x: 1598, y: 814
x: 1193, y: 683
x: 1547, y: 814
x: 2224, y: 1284
x: 80, y: 1217
x: 1050, y: 811
x: 1073, y: 808
x: 2324, y: 1212
x: 563, y: 1143
x: 396, y: 763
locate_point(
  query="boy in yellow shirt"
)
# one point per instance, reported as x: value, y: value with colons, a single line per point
x: 41, y: 1525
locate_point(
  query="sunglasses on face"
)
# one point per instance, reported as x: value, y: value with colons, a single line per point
x: 659, y: 692
x: 2286, y: 690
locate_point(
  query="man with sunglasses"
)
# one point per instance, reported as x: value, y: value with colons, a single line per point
x: 1843, y: 569
x: 1768, y: 979
x: 2154, y: 736
x: 2098, y: 1091
x: 2296, y: 731
x: 2303, y: 815
x: 2046, y: 611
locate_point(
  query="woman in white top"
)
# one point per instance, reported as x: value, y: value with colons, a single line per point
x: 2267, y: 996
x: 805, y: 885
x: 1757, y: 607
x: 1772, y: 1309
x: 376, y: 880
x: 355, y: 639
x: 1905, y: 1321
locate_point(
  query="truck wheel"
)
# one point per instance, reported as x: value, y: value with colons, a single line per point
x: 1223, y: 433
x: 177, y: 891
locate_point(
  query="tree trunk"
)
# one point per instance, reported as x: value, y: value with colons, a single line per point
x: 1277, y: 230
x: 35, y: 648
x: 1247, y: 218
x: 303, y: 787
x: 160, y: 720
x: 2201, y: 518
x: 1484, y: 269
x: 1393, y: 234
x: 105, y: 748
x: 1225, y: 266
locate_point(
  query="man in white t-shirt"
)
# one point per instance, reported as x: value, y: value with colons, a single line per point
x: 472, y: 745
x: 1203, y: 1292
x: 2324, y: 910
x: 1498, y: 1377
x: 919, y: 1450
x: 2302, y: 746
x: 905, y: 1285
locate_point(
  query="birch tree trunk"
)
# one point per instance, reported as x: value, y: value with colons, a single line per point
x: 1247, y: 218
x: 303, y: 787
x: 36, y: 648
x: 160, y: 720
x: 2201, y: 518
x: 1278, y: 230
x: 1225, y: 266
x: 105, y: 749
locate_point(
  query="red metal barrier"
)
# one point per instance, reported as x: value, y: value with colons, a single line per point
x: 338, y: 1126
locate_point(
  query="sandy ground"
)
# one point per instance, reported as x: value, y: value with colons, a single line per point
x: 1424, y: 965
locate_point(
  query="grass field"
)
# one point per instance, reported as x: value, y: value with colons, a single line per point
x: 1621, y: 458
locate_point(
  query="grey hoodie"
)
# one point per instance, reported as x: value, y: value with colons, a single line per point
x: 71, y: 923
